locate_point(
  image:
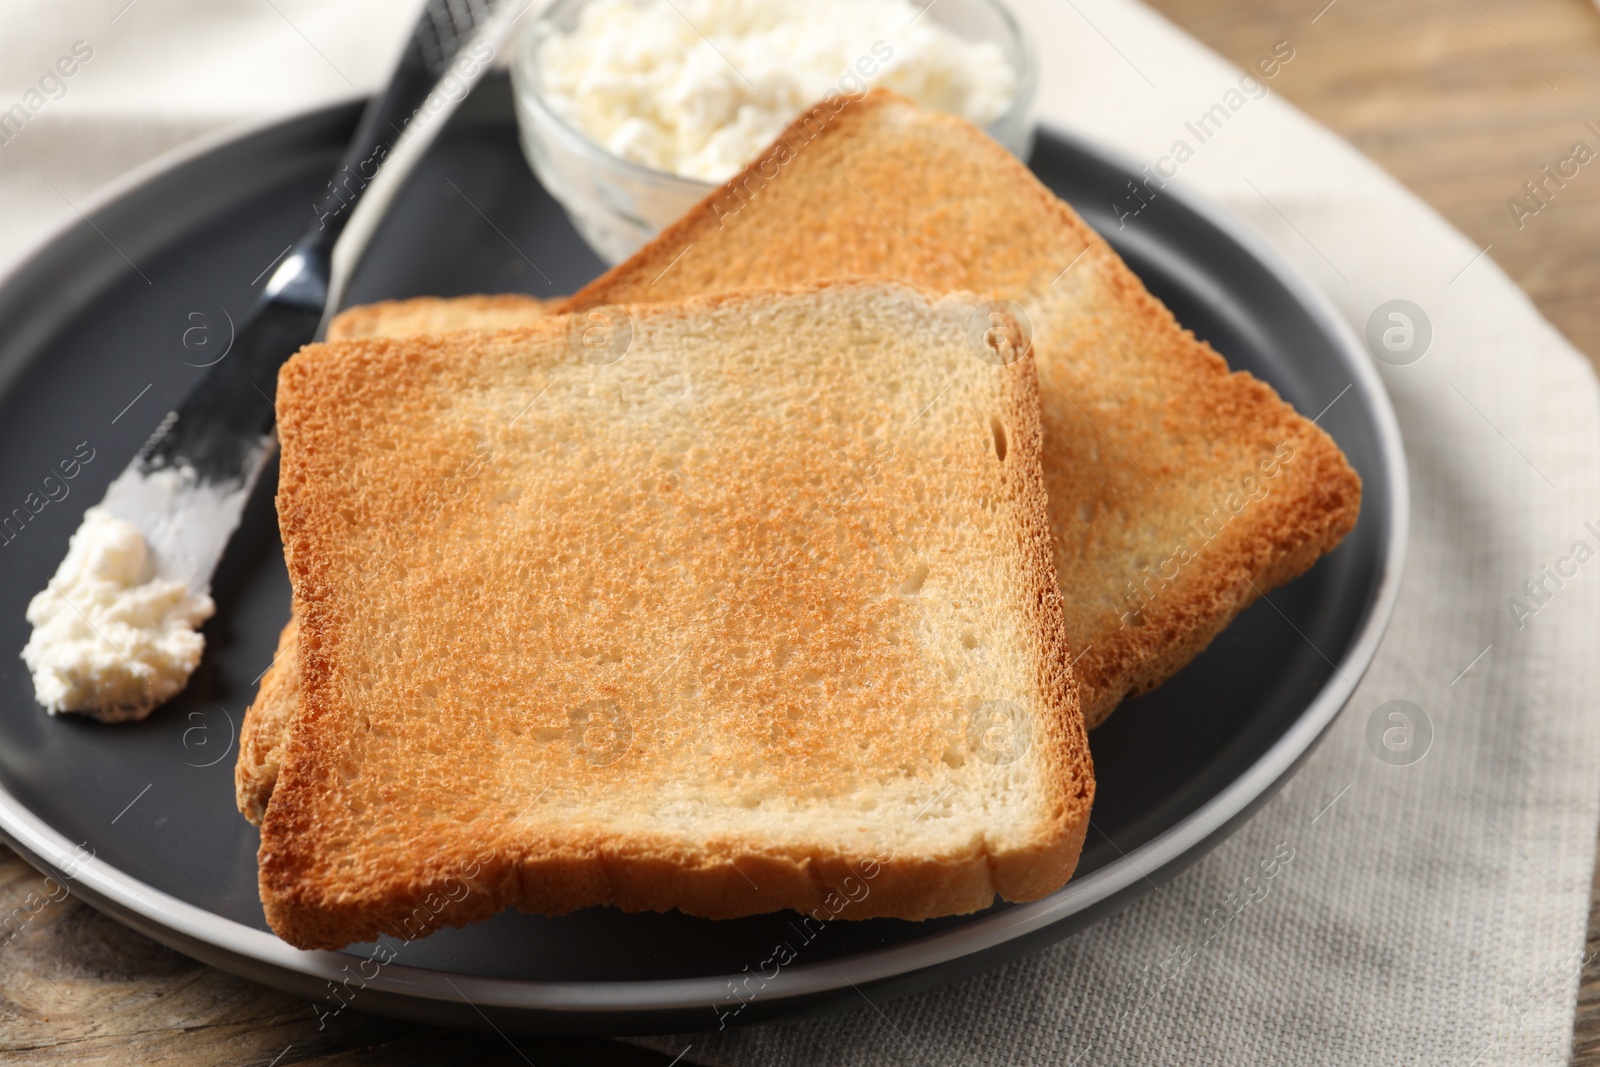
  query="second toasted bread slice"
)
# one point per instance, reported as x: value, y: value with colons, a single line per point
x: 1179, y: 492
x: 752, y: 608
x: 435, y: 314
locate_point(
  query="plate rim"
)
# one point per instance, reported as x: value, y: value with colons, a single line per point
x: 229, y: 941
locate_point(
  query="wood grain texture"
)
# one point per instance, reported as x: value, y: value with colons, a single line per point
x: 1586, y: 1024
x: 1463, y: 101
x: 77, y: 988
x: 1450, y: 96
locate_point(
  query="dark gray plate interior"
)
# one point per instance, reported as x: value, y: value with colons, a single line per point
x: 84, y: 334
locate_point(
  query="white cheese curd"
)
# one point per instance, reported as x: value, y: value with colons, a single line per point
x: 110, y: 639
x: 698, y: 87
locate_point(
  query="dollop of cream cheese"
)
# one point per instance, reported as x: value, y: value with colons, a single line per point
x: 110, y: 639
x: 698, y: 87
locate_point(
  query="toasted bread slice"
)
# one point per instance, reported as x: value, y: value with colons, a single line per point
x: 1179, y: 492
x: 761, y: 611
x: 434, y: 314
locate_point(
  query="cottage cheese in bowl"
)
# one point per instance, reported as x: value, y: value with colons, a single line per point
x: 698, y: 87
x: 632, y: 111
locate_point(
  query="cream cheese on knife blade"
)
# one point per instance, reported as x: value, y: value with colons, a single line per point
x: 110, y: 638
x: 115, y: 630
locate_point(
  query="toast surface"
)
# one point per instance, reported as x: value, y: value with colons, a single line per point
x: 1178, y: 492
x: 277, y: 697
x: 434, y: 314
x: 763, y: 606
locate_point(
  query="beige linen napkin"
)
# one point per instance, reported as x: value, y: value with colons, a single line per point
x: 1431, y: 913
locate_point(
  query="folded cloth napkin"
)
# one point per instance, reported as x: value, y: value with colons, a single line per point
x: 1433, y: 912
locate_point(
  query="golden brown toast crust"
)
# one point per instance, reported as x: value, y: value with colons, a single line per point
x: 1146, y: 433
x: 379, y: 815
x: 266, y: 724
x: 434, y: 314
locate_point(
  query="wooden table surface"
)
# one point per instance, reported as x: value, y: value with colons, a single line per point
x: 1462, y: 100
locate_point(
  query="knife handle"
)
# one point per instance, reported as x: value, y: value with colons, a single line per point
x: 218, y: 429
x: 443, y: 29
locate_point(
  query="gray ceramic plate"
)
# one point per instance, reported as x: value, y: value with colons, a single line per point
x: 87, y: 356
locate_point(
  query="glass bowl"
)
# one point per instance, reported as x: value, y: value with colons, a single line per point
x: 618, y: 204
